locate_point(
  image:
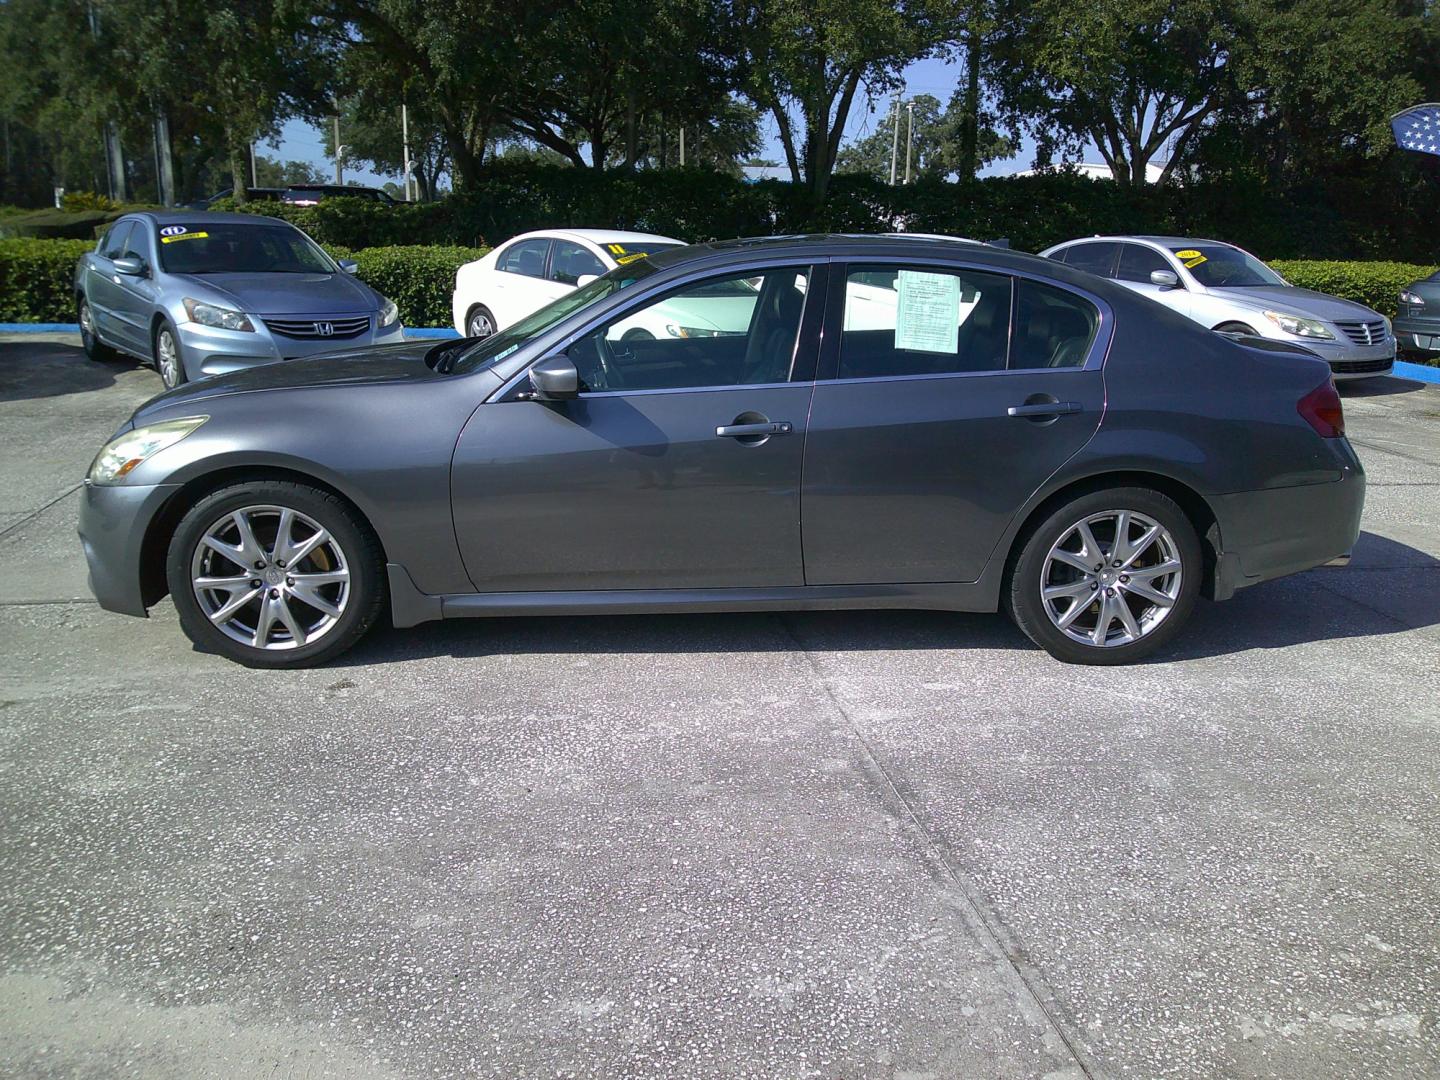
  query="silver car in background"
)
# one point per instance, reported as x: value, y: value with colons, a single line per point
x: 1227, y: 289
x: 201, y: 294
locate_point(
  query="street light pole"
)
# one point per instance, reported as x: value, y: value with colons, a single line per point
x: 405, y: 137
x: 339, y: 151
x: 909, y: 136
x: 895, y: 138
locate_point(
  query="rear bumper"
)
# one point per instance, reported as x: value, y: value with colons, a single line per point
x: 1278, y: 531
x: 1418, y: 334
x: 113, y: 524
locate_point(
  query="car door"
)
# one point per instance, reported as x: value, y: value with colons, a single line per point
x: 931, y: 426
x: 135, y: 293
x: 677, y: 467
x: 518, y: 285
x: 102, y: 283
x: 1137, y: 263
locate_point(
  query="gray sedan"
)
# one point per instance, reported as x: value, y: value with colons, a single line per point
x: 897, y: 422
x: 1227, y: 289
x: 201, y: 294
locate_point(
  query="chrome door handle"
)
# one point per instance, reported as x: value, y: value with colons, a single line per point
x: 741, y: 431
x: 1044, y: 408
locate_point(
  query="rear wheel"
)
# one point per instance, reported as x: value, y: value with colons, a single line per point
x: 94, y: 348
x: 1235, y: 328
x: 1107, y: 578
x: 479, y: 323
x: 275, y: 574
x: 169, y: 360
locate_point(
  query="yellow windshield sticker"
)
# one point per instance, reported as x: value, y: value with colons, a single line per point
x: 1187, y: 254
x: 616, y: 249
x: 184, y: 236
x: 1196, y: 261
x: 623, y: 259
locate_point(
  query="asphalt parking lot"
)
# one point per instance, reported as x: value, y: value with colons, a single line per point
x: 839, y: 845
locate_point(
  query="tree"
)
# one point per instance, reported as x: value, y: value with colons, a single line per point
x: 808, y: 59
x: 372, y: 132
x: 1132, y: 76
x: 271, y: 172
x: 938, y: 142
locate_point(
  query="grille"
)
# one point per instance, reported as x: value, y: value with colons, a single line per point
x: 1363, y: 333
x: 1360, y: 367
x: 346, y: 327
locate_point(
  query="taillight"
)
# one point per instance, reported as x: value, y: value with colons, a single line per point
x: 1322, y: 410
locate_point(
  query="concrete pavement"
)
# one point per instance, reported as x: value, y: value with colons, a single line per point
x: 839, y: 845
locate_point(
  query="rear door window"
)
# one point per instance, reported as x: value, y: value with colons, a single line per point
x: 1098, y: 258
x: 1054, y: 328
x: 569, y: 262
x: 526, y: 258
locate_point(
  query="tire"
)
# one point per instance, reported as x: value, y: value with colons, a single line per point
x: 169, y: 359
x: 1041, y: 562
x: 338, y: 603
x: 94, y: 348
x: 1235, y: 328
x: 479, y: 323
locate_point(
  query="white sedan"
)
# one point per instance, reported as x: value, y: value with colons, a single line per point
x: 529, y: 271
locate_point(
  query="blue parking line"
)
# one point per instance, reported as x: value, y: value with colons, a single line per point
x: 1418, y: 372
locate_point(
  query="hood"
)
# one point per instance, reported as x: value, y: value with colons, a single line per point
x: 1293, y: 301
x: 288, y: 294
x: 367, y: 366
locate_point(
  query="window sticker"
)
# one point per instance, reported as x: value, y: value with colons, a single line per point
x: 172, y: 230
x: 616, y: 249
x: 927, y: 318
x: 623, y: 259
x: 1190, y: 257
x: 184, y: 236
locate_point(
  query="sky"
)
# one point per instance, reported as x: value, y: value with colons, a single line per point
x: 936, y: 77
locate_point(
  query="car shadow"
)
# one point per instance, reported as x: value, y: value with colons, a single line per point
x: 1385, y: 386
x: 44, y: 369
x: 1309, y: 607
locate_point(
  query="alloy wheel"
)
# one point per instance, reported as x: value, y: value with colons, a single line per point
x: 167, y: 356
x: 87, y: 325
x: 479, y: 325
x: 270, y: 577
x: 1111, y: 578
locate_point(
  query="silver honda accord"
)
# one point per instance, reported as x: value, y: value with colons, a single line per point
x: 201, y: 294
x: 1227, y: 289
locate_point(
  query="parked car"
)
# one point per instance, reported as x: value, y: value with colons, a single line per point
x: 310, y: 194
x: 258, y: 194
x: 1417, y: 323
x: 201, y: 294
x: 1229, y: 290
x: 528, y: 271
x: 1020, y: 435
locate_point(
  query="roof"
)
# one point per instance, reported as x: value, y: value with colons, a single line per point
x: 854, y: 245
x: 603, y: 236
x: 195, y: 217
x: 1163, y: 241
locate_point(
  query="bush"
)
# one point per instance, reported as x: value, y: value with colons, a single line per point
x: 36, y: 279
x: 1375, y: 284
x: 77, y: 201
x: 419, y: 279
x: 58, y: 224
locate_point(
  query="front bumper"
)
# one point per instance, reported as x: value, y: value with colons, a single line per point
x: 113, y: 524
x: 1273, y: 532
x: 1417, y: 333
x: 1348, y: 360
x: 209, y: 350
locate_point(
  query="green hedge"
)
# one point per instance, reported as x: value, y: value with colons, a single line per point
x: 36, y: 276
x: 52, y: 224
x: 1374, y: 284
x: 36, y: 279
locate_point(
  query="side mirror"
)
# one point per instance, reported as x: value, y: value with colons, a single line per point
x: 1166, y: 279
x: 129, y: 266
x: 585, y: 279
x: 348, y: 265
x: 554, y: 379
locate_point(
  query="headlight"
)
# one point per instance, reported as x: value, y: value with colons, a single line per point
x: 1408, y: 297
x: 675, y: 330
x: 223, y: 318
x: 389, y: 315
x: 1300, y: 327
x: 129, y: 449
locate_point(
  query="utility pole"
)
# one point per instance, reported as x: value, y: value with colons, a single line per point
x: 895, y: 139
x: 254, y: 176
x: 339, y: 151
x: 909, y: 136
x: 682, y: 147
x: 164, y: 162
x: 405, y: 138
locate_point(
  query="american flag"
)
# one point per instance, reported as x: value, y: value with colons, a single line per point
x: 1418, y: 129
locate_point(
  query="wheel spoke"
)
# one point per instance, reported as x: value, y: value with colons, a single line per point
x: 1126, y: 616
x: 228, y: 583
x: 1077, y: 590
x: 283, y: 529
x: 1093, y: 550
x: 1072, y: 613
x: 1150, y: 573
x: 282, y: 609
x: 1141, y: 546
x: 1069, y: 558
x: 306, y: 546
x: 311, y: 596
x: 1120, y: 550
x: 1102, y: 624
x: 264, y: 623
x: 236, y: 600
x: 249, y: 546
x: 1148, y: 592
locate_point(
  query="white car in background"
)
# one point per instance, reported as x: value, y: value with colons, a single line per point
x: 529, y: 271
x: 1227, y: 289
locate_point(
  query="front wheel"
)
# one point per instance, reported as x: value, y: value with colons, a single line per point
x: 169, y: 360
x: 274, y: 574
x: 1107, y: 578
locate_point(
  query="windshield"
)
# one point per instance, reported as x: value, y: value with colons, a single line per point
x: 1217, y: 266
x: 626, y: 253
x: 498, y: 346
x: 240, y: 248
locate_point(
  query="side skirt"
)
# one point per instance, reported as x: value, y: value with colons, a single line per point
x: 410, y: 607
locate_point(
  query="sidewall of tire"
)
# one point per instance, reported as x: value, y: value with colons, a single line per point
x: 481, y: 309
x: 1022, y: 588
x: 167, y: 325
x: 362, y: 552
x: 95, y: 349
